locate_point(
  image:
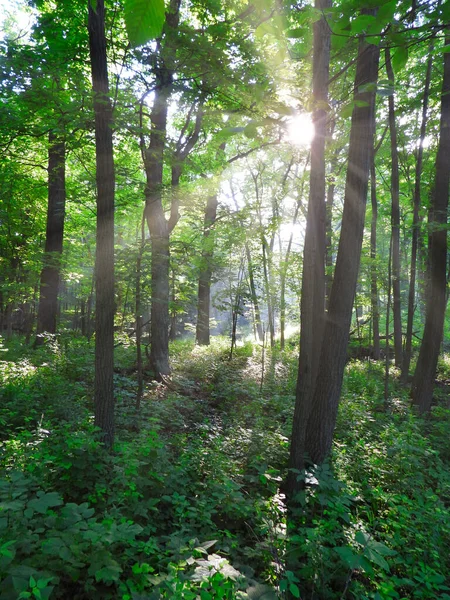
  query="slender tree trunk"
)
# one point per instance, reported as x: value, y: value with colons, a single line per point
x: 104, y: 262
x: 423, y: 382
x: 50, y: 274
x: 373, y: 262
x: 251, y: 277
x: 395, y: 220
x: 313, y: 282
x: 253, y: 293
x: 204, y: 281
x: 139, y: 362
x: 322, y: 418
x: 387, y: 328
x: 416, y: 226
x: 268, y: 289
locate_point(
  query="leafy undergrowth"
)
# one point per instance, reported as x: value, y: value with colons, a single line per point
x: 188, y: 505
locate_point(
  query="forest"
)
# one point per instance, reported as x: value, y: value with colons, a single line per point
x: 224, y: 277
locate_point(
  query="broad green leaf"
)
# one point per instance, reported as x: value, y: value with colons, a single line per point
x: 45, y: 501
x: 399, y: 58
x: 109, y: 574
x: 348, y: 556
x: 347, y: 110
x: 251, y: 130
x: 362, y: 23
x: 297, y: 33
x: 377, y: 559
x: 294, y: 590
x: 144, y: 20
x: 386, y: 12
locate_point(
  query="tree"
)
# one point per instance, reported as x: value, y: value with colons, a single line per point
x: 436, y: 300
x: 395, y: 216
x: 202, y: 336
x: 50, y: 275
x: 313, y: 281
x: 322, y: 417
x: 104, y: 263
x: 416, y: 223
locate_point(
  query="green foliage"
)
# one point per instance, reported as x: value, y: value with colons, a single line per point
x: 188, y: 505
x: 144, y: 20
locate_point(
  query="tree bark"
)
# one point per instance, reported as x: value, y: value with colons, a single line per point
x: 395, y: 221
x: 313, y: 282
x: 50, y: 274
x: 373, y: 262
x: 204, y: 281
x: 322, y: 418
x: 416, y: 226
x: 423, y: 382
x: 159, y: 232
x: 104, y: 262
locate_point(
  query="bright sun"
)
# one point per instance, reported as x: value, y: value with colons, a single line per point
x: 301, y: 130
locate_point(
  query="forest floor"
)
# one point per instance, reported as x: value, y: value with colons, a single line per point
x: 188, y: 504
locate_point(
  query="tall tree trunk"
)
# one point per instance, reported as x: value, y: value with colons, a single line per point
x: 416, y: 225
x: 50, y: 274
x: 159, y: 233
x: 104, y: 262
x: 373, y: 262
x: 322, y: 418
x: 395, y: 220
x: 423, y: 382
x: 313, y: 282
x: 204, y: 281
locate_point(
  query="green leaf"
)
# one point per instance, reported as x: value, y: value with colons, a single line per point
x: 44, y: 501
x: 144, y: 20
x: 297, y: 33
x: 109, y: 574
x: 294, y: 590
x: 348, y: 556
x: 386, y: 12
x: 399, y: 58
x: 251, y: 130
x: 362, y: 23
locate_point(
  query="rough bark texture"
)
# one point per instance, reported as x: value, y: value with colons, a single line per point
x: 415, y: 227
x: 423, y: 382
x: 50, y: 274
x: 313, y: 282
x: 322, y: 419
x: 104, y: 262
x: 204, y: 281
x: 395, y: 221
